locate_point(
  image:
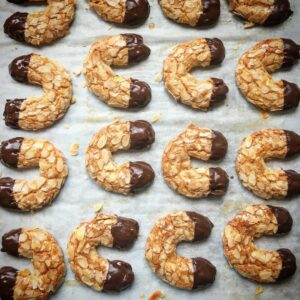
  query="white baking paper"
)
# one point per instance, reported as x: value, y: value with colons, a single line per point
x: 235, y: 118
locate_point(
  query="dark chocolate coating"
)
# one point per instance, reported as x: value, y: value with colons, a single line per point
x: 219, y: 145
x: 292, y: 143
x: 140, y: 94
x: 204, y: 272
x: 18, y: 1
x: 141, y: 175
x: 281, y: 11
x: 8, y: 278
x: 11, y: 112
x: 14, y: 26
x: 7, y: 198
x: 10, y: 242
x: 283, y: 217
x: 220, y: 90
x: 142, y: 135
x: 18, y: 68
x: 124, y: 232
x: 137, y: 50
x: 293, y: 183
x: 203, y: 225
x: 119, y: 277
x: 9, y: 151
x: 288, y: 264
x: 210, y: 12
x: 291, y: 95
x: 217, y: 51
x: 291, y: 52
x: 218, y: 182
x: 137, y: 12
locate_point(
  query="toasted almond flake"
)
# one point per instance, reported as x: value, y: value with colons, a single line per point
x: 74, y: 149
x: 77, y: 73
x: 158, y: 76
x: 83, y: 84
x: 156, y: 117
x: 264, y: 115
x: 259, y: 290
x: 97, y: 207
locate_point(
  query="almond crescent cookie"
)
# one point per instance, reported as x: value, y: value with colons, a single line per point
x: 186, y: 88
x: 94, y: 270
x: 43, y: 27
x: 35, y: 113
x: 201, y: 143
x: 29, y: 195
x: 194, y: 13
x: 47, y: 260
x: 263, y: 12
x: 117, y: 91
x: 255, y: 175
x: 128, y: 12
x: 242, y: 254
x: 179, y: 271
x: 119, y: 136
x: 255, y: 81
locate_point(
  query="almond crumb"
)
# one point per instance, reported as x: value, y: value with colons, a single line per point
x: 97, y: 207
x: 151, y: 25
x: 74, y: 149
x: 77, y: 72
x: 259, y: 290
x: 156, y: 295
x: 264, y: 115
x: 83, y: 84
x: 156, y: 117
x: 158, y: 76
x: 67, y: 126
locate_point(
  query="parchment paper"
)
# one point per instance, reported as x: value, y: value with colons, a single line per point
x: 235, y: 118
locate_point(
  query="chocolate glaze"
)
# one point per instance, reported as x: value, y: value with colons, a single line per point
x: 10, y: 242
x: 218, y: 182
x: 288, y: 264
x: 203, y: 225
x: 281, y: 11
x: 217, y: 51
x: 141, y: 175
x: 7, y: 198
x: 293, y: 183
x: 210, y: 12
x: 283, y: 217
x: 291, y: 53
x: 292, y: 143
x: 142, y: 134
x: 137, y: 12
x: 219, y: 145
x: 18, y: 1
x: 140, y: 93
x: 220, y: 90
x: 11, y: 112
x: 291, y: 95
x: 137, y: 50
x: 14, y: 26
x: 18, y: 68
x: 8, y: 277
x: 9, y: 151
x: 124, y: 232
x: 204, y: 272
x: 119, y: 276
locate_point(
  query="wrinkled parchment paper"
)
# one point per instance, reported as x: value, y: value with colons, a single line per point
x: 235, y: 118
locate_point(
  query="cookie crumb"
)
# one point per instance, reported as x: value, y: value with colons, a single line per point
x: 156, y: 117
x: 259, y: 290
x: 157, y: 295
x: 77, y: 72
x: 83, y: 84
x: 151, y: 25
x: 158, y: 76
x: 97, y: 207
x: 67, y: 126
x: 264, y: 115
x: 74, y: 149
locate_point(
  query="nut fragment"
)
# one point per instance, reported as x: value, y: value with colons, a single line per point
x: 201, y: 143
x: 115, y: 90
x: 239, y: 248
x: 183, y: 86
x: 47, y: 260
x: 255, y: 81
x: 182, y: 272
x: 255, y: 175
x: 74, y: 149
x: 28, y: 195
x: 96, y: 271
x: 127, y: 177
x: 36, y: 113
x: 43, y: 27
